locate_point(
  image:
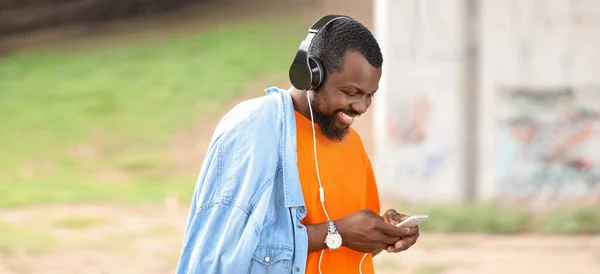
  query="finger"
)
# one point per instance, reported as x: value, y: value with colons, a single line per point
x: 388, y: 216
x: 386, y: 239
x: 391, y: 220
x: 382, y: 246
x: 394, y: 217
x: 410, y: 241
x: 404, y: 244
x: 398, y: 247
x: 409, y: 231
x: 400, y: 217
x: 412, y: 231
x: 393, y: 230
x: 394, y: 220
x: 390, y: 212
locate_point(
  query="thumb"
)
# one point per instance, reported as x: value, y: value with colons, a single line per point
x: 400, y: 218
x: 389, y: 217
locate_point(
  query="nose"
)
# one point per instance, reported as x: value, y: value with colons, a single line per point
x: 361, y: 105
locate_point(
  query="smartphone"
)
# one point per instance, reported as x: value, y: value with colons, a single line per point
x: 413, y: 220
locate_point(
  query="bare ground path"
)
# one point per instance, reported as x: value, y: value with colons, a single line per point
x: 113, y: 239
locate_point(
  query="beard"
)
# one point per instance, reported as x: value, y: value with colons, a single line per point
x: 328, y: 124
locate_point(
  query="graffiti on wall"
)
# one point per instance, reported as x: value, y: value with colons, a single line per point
x: 412, y: 129
x: 549, y: 141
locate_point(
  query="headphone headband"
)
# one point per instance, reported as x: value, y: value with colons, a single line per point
x: 323, y: 22
x: 306, y: 73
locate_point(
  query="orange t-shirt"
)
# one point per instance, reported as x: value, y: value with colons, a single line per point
x: 348, y: 184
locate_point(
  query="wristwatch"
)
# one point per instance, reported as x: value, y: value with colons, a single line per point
x: 333, y: 239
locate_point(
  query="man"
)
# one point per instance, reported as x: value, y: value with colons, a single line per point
x: 257, y: 206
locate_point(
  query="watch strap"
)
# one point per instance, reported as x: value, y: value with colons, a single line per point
x: 331, y: 228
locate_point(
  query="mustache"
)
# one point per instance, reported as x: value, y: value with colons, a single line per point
x: 349, y: 112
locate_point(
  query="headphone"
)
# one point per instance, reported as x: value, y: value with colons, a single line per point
x: 307, y: 73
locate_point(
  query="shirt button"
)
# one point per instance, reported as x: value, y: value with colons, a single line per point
x: 302, y: 210
x: 300, y: 226
x: 297, y: 269
x: 267, y: 259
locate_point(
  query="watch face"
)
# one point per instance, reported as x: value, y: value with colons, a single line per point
x: 334, y: 241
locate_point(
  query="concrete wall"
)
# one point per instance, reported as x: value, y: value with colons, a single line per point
x: 540, y: 81
x: 417, y: 119
x: 488, y: 99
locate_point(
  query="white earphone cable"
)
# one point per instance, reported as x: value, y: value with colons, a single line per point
x: 321, y: 192
x: 361, y: 262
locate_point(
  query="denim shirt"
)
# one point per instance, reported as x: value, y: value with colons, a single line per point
x: 247, y: 205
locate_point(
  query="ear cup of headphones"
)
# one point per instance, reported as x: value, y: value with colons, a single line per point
x: 300, y: 74
x: 309, y: 75
x: 317, y: 71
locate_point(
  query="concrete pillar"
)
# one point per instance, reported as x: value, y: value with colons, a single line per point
x: 419, y: 120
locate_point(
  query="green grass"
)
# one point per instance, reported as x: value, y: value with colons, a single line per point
x: 19, y: 239
x: 490, y: 219
x: 476, y: 218
x: 572, y: 221
x: 124, y: 105
x: 79, y: 222
x: 69, y: 190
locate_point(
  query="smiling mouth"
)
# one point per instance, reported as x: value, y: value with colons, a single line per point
x: 345, y: 118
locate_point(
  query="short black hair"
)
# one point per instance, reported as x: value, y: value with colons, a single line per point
x: 331, y: 44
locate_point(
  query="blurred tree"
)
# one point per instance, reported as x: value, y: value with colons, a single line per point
x: 25, y: 15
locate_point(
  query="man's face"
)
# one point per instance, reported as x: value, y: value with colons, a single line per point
x: 344, y: 95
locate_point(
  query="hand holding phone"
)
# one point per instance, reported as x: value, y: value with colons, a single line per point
x: 410, y: 231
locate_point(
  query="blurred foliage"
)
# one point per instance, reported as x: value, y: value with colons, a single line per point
x: 572, y: 221
x: 100, y: 125
x: 491, y: 219
x: 41, y: 14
